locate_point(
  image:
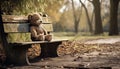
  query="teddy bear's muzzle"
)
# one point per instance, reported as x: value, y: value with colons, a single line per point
x: 39, y: 21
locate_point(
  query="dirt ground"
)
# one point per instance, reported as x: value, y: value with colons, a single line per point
x: 81, y: 54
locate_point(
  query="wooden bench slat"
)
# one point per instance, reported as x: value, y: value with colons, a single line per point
x: 38, y: 42
x: 23, y: 27
x: 11, y: 27
x: 21, y: 18
x: 14, y: 18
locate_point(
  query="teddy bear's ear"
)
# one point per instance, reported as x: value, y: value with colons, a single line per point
x: 40, y: 13
x: 45, y: 15
x: 29, y: 17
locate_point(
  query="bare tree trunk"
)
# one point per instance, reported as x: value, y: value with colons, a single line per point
x: 76, y: 18
x: 92, y: 17
x: 87, y: 15
x: 98, y: 21
x: 113, y: 28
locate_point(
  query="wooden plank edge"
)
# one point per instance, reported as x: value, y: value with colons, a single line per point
x: 37, y: 42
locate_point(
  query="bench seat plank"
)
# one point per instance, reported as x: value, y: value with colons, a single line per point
x: 38, y: 42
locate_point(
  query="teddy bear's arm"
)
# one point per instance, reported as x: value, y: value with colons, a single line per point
x: 45, y: 31
x: 33, y: 32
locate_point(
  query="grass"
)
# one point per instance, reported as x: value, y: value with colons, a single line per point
x: 81, y: 35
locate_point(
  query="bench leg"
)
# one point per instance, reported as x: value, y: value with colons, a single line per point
x: 18, y: 55
x: 49, y: 49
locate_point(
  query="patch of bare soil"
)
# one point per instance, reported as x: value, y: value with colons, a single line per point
x: 104, y: 41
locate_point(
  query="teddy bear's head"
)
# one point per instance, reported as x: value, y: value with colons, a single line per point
x: 35, y: 19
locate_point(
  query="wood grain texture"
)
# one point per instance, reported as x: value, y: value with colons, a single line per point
x: 48, y: 26
x: 14, y: 18
x: 24, y: 27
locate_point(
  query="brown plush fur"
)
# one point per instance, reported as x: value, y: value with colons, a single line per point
x: 38, y: 33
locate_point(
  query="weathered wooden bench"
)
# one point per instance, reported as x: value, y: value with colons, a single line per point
x: 16, y: 49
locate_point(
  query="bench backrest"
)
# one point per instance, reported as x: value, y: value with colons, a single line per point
x: 17, y: 28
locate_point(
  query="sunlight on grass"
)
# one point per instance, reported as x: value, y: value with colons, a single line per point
x: 80, y: 36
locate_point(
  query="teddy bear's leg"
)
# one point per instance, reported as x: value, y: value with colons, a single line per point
x: 48, y: 37
x: 41, y: 37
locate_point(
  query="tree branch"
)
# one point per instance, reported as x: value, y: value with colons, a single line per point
x: 73, y: 7
x: 87, y: 15
x: 90, y: 1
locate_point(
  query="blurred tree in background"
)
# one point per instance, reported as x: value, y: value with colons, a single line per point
x: 76, y: 17
x: 98, y: 21
x: 113, y: 29
x: 87, y: 17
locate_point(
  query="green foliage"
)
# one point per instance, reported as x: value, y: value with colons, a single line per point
x: 27, y: 6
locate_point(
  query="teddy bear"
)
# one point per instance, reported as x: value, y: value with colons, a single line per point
x: 38, y: 32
